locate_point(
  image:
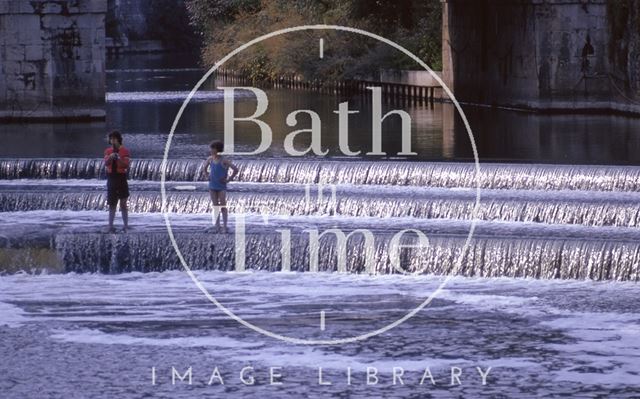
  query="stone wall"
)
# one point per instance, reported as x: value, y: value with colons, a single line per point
x: 52, y: 59
x: 623, y: 17
x: 535, y: 54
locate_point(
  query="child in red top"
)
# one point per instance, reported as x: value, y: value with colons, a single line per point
x: 116, y: 161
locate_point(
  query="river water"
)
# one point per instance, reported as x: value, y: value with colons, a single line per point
x: 545, y: 293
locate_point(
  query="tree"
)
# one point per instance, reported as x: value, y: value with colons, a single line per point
x: 226, y: 24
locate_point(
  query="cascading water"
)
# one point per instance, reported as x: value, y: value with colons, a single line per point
x: 488, y: 257
x: 438, y: 174
x: 541, y: 221
x: 598, y: 211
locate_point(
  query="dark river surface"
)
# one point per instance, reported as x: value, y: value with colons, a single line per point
x: 145, y: 93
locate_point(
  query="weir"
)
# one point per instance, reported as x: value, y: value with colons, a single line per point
x: 328, y: 250
x: 400, y: 173
x: 579, y: 209
x: 487, y: 257
x: 539, y: 221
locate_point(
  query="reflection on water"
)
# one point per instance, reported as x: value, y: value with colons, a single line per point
x: 438, y: 131
x: 573, y: 139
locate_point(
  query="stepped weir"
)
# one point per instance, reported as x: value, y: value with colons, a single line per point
x: 539, y: 221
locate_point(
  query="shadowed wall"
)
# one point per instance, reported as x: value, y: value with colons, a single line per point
x: 552, y: 55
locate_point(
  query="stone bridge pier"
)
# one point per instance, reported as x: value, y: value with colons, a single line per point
x: 52, y: 59
x: 547, y: 55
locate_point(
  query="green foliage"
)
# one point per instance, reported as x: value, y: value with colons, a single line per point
x: 206, y: 14
x: 226, y: 24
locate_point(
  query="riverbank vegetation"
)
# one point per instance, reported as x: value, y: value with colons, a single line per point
x: 226, y: 24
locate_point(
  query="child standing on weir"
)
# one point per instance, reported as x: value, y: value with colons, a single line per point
x: 218, y: 178
x: 116, y: 161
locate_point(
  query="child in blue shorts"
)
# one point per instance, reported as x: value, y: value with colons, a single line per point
x: 218, y: 179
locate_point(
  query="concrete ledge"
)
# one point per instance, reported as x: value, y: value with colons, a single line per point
x: 76, y: 114
x: 580, y: 106
x: 124, y: 46
x: 564, y: 107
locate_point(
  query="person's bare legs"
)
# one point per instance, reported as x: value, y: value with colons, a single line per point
x: 112, y: 216
x: 216, y: 208
x: 222, y: 201
x: 125, y: 213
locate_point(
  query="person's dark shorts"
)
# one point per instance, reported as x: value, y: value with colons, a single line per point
x: 117, y: 188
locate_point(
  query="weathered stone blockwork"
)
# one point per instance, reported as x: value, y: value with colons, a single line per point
x: 52, y: 59
x: 536, y: 54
